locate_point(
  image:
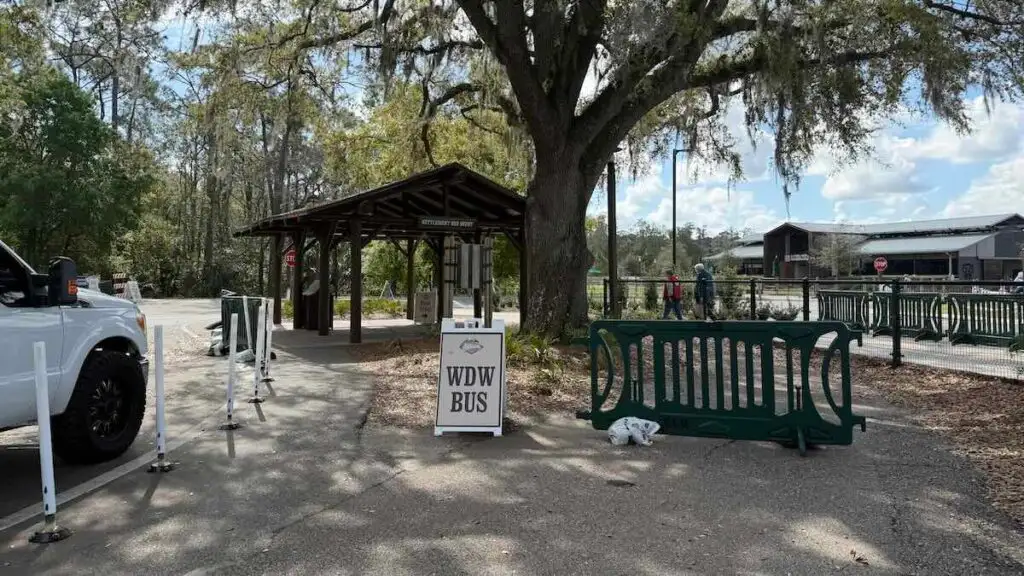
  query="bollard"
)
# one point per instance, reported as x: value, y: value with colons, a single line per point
x: 230, y: 424
x: 161, y: 464
x: 50, y: 532
x: 259, y: 352
x: 269, y: 354
x: 248, y: 327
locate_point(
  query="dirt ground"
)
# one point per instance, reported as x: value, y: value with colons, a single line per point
x: 983, y: 418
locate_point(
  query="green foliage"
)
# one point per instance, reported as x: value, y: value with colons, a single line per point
x: 384, y: 307
x: 651, y: 297
x: 532, y: 350
x: 68, y: 185
x: 287, y: 309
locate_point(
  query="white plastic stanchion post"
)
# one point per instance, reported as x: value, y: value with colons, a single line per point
x: 270, y: 349
x: 258, y: 356
x: 230, y: 424
x: 50, y: 532
x: 162, y: 464
x: 248, y: 326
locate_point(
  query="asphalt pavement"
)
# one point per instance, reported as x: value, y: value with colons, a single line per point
x: 305, y: 488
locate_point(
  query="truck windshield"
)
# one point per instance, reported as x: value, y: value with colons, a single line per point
x: 9, y: 258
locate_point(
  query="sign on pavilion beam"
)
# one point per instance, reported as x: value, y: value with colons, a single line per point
x: 447, y: 223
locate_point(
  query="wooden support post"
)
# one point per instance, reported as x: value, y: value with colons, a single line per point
x: 355, y: 326
x: 275, y: 277
x: 410, y: 277
x: 524, y: 268
x: 299, y: 316
x: 324, y: 296
x: 442, y: 277
x: 478, y: 301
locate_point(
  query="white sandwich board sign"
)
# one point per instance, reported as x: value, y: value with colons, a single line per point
x: 471, y: 391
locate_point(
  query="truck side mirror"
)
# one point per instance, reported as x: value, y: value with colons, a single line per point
x: 63, y: 286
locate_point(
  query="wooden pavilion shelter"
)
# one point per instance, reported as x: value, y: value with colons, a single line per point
x: 450, y: 200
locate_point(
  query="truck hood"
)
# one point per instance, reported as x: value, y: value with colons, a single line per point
x: 101, y: 300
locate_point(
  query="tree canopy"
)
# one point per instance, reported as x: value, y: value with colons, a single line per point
x: 267, y: 106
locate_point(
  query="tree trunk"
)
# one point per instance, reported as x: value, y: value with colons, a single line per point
x: 556, y: 244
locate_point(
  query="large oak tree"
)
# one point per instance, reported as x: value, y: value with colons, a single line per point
x: 811, y: 73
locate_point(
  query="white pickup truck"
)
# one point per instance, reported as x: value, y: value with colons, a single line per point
x: 95, y: 359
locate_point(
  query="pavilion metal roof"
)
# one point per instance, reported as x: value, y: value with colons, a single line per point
x: 921, y: 245
x: 742, y: 253
x: 394, y: 210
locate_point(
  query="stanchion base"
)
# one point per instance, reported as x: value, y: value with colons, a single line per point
x: 163, y: 466
x: 256, y: 400
x: 230, y: 426
x: 48, y: 535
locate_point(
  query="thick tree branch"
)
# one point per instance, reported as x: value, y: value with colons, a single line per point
x: 678, y: 77
x: 464, y: 112
x: 351, y: 33
x: 582, y: 36
x: 506, y: 41
x: 653, y: 67
x: 964, y: 13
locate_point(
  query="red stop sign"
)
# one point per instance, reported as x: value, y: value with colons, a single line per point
x: 881, y: 264
x: 289, y: 258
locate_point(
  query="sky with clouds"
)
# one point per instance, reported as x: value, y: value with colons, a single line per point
x: 919, y: 170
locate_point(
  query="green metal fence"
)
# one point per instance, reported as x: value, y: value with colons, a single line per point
x: 687, y: 377
x: 848, y: 306
x: 992, y: 319
x: 920, y: 314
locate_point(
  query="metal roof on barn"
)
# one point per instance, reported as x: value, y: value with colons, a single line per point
x: 742, y: 253
x: 915, y: 227
x: 921, y: 245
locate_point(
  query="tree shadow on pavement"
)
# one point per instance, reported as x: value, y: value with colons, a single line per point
x: 310, y: 491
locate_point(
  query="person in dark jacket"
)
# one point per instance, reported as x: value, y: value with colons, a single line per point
x: 703, y: 293
x: 672, y: 294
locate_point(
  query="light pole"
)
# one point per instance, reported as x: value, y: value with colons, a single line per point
x: 675, y: 154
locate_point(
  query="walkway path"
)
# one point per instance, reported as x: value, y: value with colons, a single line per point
x: 304, y: 489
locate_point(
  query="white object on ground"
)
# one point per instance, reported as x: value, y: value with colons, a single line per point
x: 45, y: 442
x: 638, y: 430
x: 232, y: 351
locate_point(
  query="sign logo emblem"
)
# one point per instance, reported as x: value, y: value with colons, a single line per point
x: 471, y: 346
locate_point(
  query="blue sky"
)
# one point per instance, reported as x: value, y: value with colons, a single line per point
x: 920, y: 169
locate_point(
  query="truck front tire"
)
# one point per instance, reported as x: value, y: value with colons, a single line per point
x: 105, y: 412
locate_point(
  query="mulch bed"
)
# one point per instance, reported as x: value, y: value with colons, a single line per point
x: 983, y: 417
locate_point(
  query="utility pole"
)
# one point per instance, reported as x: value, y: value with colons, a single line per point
x: 613, y: 260
x: 675, y: 154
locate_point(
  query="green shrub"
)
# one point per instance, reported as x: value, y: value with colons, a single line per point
x: 342, y: 307
x: 651, y: 297
x: 384, y: 306
x: 287, y: 309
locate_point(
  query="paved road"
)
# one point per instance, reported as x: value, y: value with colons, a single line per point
x: 192, y: 392
x: 303, y: 488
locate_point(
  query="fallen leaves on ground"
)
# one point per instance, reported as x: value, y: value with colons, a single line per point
x: 983, y: 416
x: 406, y: 391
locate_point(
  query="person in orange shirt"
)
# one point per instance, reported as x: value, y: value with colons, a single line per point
x: 672, y: 294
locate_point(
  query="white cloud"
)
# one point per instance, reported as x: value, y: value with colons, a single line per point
x: 999, y: 191
x: 717, y: 208
x: 996, y: 135
x: 640, y: 195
